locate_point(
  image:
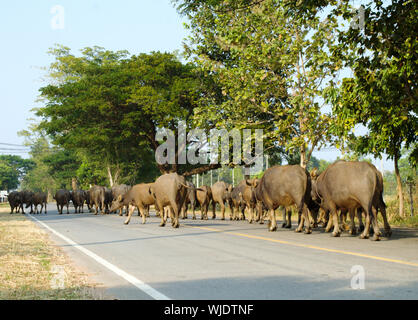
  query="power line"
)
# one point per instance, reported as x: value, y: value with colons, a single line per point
x: 14, y: 145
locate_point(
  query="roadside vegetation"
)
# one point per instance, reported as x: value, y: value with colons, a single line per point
x: 32, y: 268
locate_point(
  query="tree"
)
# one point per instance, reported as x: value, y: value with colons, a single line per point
x: 108, y: 106
x: 272, y: 60
x: 382, y: 95
x: 12, y: 169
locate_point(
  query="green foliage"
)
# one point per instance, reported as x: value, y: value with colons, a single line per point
x: 382, y: 94
x: 108, y: 105
x: 272, y: 60
x: 12, y: 169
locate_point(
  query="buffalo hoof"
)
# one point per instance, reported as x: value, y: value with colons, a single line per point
x: 336, y: 234
x: 284, y: 225
x: 298, y: 230
x: 352, y: 232
x: 213, y: 217
x: 223, y: 219
x: 364, y: 236
x: 388, y: 233
x: 271, y: 228
x: 375, y: 238
x: 288, y: 226
x: 308, y: 231
x: 162, y: 224
x: 261, y: 222
x: 126, y: 222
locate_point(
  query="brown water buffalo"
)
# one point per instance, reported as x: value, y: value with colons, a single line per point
x: 39, y: 198
x: 350, y: 185
x: 15, y: 201
x: 78, y: 197
x: 221, y: 193
x: 26, y: 198
x: 238, y: 204
x: 286, y: 186
x: 120, y: 190
x: 62, y: 197
x: 378, y: 204
x: 137, y: 197
x: 169, y: 190
x: 97, y: 196
x: 204, y: 198
x: 190, y: 199
x: 250, y: 199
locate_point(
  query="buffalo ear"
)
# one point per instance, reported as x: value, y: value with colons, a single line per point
x: 248, y: 183
x: 120, y: 199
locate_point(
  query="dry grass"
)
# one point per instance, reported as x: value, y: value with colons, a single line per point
x: 29, y: 263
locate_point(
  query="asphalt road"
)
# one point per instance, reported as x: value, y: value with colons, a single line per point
x: 214, y: 259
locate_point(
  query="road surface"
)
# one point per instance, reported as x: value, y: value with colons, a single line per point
x: 214, y: 259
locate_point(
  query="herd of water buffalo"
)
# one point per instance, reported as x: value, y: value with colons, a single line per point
x: 353, y: 188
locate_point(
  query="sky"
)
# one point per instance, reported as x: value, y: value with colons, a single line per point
x: 29, y: 28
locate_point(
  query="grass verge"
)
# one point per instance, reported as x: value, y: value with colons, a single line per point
x: 32, y: 268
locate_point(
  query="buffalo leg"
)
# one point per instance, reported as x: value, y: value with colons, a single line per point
x: 272, y: 223
x: 131, y: 211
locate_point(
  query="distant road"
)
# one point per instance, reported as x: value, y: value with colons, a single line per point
x: 214, y: 259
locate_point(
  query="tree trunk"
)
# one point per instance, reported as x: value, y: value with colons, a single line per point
x: 411, y: 199
x: 74, y: 184
x: 399, y: 187
x: 109, y: 173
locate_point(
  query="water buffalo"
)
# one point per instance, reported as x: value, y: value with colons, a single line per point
x: 97, y: 196
x: 350, y: 185
x: 204, y: 197
x: 221, y: 193
x: 78, y: 197
x: 108, y: 199
x: 249, y: 198
x: 39, y: 198
x: 62, y: 197
x: 286, y: 186
x: 120, y: 190
x: 190, y: 199
x: 169, y: 190
x: 137, y: 197
x: 15, y: 201
x: 238, y: 204
x: 26, y: 198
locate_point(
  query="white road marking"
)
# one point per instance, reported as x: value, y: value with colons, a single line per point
x: 130, y: 278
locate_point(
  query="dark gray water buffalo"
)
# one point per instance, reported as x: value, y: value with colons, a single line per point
x: 39, y: 198
x: 204, y: 198
x: 169, y: 190
x: 120, y: 190
x: 26, y: 198
x: 286, y: 186
x: 97, y: 196
x: 221, y: 193
x: 78, y: 197
x: 350, y: 185
x: 190, y: 199
x: 108, y: 199
x: 62, y: 197
x: 137, y: 197
x: 15, y: 201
